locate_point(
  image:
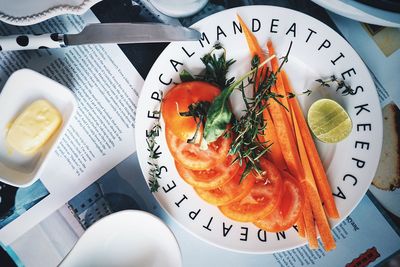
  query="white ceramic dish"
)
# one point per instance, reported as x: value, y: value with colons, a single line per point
x: 308, y: 61
x: 126, y: 238
x: 22, y: 12
x: 361, y: 12
x: 22, y: 88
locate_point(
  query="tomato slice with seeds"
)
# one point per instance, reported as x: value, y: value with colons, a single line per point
x: 288, y: 210
x: 178, y: 99
x: 262, y: 199
x: 231, y: 191
x: 210, y: 178
x: 193, y: 157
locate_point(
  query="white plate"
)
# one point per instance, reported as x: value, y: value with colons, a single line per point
x: 21, y: 89
x: 361, y: 12
x: 126, y: 238
x: 306, y: 63
x: 22, y: 12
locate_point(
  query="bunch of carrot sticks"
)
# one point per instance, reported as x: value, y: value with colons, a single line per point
x: 294, y: 150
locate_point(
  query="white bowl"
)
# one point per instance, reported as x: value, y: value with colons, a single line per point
x: 126, y: 238
x: 23, y: 13
x: 22, y: 88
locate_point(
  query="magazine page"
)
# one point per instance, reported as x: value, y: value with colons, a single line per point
x: 106, y: 86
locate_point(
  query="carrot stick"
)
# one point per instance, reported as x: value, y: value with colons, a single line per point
x: 269, y: 133
x: 300, y: 226
x: 286, y: 139
x: 283, y: 125
x: 310, y: 230
x: 311, y: 190
x: 279, y: 83
x: 275, y: 151
x: 321, y: 180
x: 255, y: 49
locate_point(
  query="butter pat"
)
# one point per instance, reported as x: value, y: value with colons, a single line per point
x: 33, y: 127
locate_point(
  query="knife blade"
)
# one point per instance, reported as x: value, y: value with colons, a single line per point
x: 102, y: 33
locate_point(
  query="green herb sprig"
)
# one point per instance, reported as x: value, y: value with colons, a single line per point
x: 216, y: 68
x: 247, y: 145
x: 219, y: 114
x: 198, y: 111
x: 331, y: 82
x: 154, y: 154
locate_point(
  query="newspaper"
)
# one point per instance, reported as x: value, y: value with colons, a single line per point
x: 106, y: 86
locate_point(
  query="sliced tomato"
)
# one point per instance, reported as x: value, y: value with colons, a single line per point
x: 191, y: 156
x: 262, y: 199
x: 288, y: 210
x: 231, y: 191
x: 210, y: 178
x: 178, y: 99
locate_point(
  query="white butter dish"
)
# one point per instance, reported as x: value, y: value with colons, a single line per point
x: 21, y: 89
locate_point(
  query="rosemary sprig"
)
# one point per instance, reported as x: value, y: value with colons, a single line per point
x: 340, y: 85
x: 216, y: 68
x: 154, y: 154
x: 219, y: 114
x: 198, y: 111
x: 247, y: 145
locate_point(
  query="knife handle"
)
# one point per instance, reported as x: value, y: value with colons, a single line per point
x: 31, y: 41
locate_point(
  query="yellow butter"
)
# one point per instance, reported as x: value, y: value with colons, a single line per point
x: 33, y: 127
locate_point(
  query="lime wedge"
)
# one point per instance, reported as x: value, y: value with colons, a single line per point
x: 328, y: 121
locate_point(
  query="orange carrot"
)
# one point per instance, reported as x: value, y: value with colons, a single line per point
x: 311, y: 191
x: 284, y: 126
x: 318, y: 170
x: 280, y: 88
x: 286, y: 139
x: 300, y: 225
x: 269, y: 133
x: 255, y: 48
x: 310, y: 230
x: 275, y: 151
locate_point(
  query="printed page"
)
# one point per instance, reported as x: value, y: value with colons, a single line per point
x: 106, y: 86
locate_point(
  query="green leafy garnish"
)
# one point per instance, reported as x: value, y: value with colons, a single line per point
x: 198, y: 111
x: 219, y: 114
x: 334, y: 81
x: 154, y: 154
x: 215, y: 69
x: 247, y: 145
x: 186, y: 76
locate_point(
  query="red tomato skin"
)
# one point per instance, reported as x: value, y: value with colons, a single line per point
x: 229, y: 192
x: 262, y: 198
x: 191, y: 156
x: 288, y: 210
x: 210, y: 178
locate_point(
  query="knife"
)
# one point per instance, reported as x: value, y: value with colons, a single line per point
x: 102, y: 33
